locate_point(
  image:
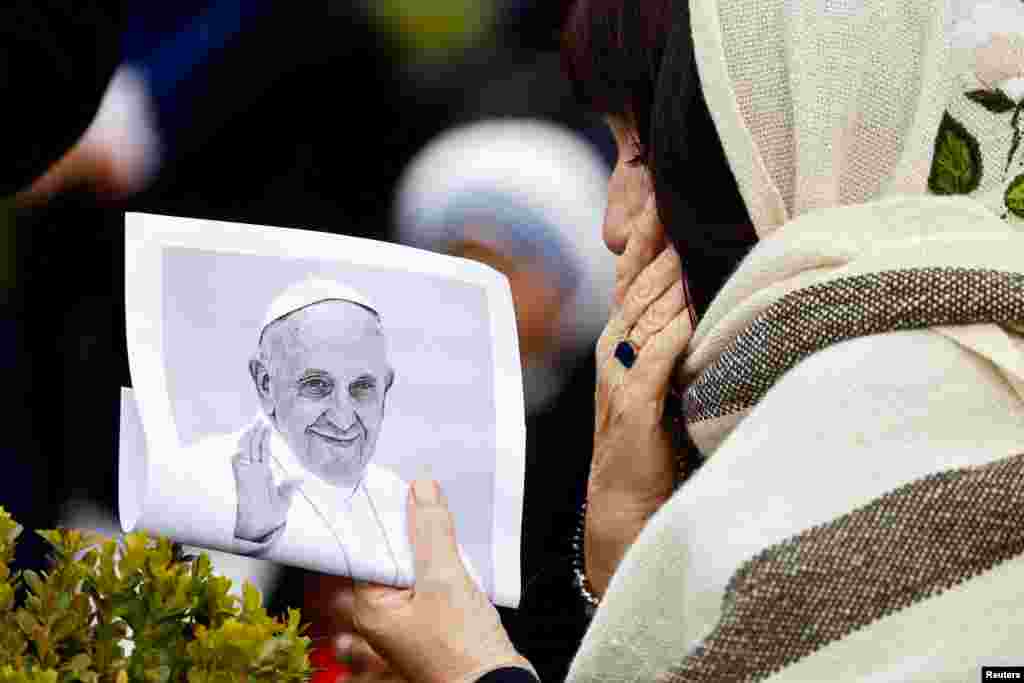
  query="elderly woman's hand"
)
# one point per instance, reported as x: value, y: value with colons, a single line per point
x: 328, y: 602
x: 634, y: 463
x: 443, y: 629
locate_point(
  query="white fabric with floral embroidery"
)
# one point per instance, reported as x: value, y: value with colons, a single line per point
x: 987, y: 45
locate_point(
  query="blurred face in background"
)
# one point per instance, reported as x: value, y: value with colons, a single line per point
x: 535, y: 294
x: 629, y: 188
x: 323, y: 375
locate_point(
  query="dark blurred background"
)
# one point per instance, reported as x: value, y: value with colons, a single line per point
x: 279, y: 113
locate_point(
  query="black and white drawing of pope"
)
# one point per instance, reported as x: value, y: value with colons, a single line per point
x: 303, y: 468
x: 287, y: 386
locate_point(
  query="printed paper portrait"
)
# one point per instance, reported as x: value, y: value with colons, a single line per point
x: 291, y: 384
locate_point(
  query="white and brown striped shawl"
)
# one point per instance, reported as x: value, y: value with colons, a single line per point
x: 857, y: 388
x: 861, y: 512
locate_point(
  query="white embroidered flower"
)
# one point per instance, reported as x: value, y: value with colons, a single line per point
x: 999, y: 65
x: 973, y: 23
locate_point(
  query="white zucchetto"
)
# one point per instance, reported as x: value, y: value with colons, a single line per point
x: 313, y: 291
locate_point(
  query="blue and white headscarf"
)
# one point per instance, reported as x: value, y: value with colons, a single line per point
x: 531, y: 189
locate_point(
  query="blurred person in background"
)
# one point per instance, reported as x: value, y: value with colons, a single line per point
x: 55, y: 60
x: 164, y: 49
x: 194, y: 78
x: 522, y: 196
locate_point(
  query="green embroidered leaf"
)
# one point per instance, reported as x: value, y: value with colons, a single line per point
x: 956, y: 163
x: 1014, y: 197
x: 995, y: 101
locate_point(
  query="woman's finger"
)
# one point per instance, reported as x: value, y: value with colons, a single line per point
x: 357, y: 654
x: 659, y: 314
x: 364, y: 659
x: 646, y: 240
x: 653, y: 281
x: 444, y: 628
x: 379, y: 612
x: 330, y: 601
x: 651, y: 374
x: 342, y: 604
x: 372, y: 598
x: 435, y: 551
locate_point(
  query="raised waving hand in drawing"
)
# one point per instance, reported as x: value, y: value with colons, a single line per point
x: 262, y: 504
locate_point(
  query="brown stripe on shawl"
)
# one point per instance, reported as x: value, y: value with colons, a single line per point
x: 911, y: 544
x: 818, y: 316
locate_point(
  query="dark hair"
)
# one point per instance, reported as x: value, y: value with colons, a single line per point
x: 612, y: 51
x: 633, y: 58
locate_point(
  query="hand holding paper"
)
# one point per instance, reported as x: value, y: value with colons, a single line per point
x: 401, y: 624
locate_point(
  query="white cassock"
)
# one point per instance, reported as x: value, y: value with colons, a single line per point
x: 361, y: 533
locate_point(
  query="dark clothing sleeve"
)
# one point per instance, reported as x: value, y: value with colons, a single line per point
x: 552, y: 617
x: 550, y: 623
x: 508, y: 674
x: 56, y: 58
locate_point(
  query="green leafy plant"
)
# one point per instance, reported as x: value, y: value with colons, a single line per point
x: 136, y: 610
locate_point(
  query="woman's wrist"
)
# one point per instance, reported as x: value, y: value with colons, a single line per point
x: 583, y: 585
x: 613, y: 522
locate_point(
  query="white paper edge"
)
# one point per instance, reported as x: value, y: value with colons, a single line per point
x: 146, y: 235
x: 129, y: 434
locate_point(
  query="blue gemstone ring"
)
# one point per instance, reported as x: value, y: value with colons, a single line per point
x: 625, y: 352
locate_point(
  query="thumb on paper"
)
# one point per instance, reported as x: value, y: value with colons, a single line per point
x: 432, y: 534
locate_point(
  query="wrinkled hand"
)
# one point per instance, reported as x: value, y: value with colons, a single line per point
x: 329, y: 603
x: 262, y: 505
x: 633, y: 466
x: 443, y: 629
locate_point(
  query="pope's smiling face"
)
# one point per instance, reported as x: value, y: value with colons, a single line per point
x: 322, y: 374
